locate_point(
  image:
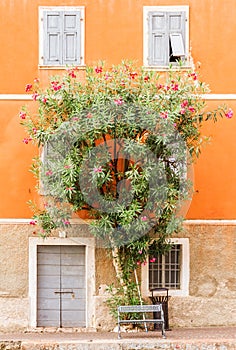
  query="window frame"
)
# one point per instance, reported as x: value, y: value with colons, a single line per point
x: 184, y: 271
x: 42, y: 10
x: 146, y: 34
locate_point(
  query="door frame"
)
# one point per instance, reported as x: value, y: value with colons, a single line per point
x: 89, y: 244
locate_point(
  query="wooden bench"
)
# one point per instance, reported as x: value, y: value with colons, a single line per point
x: 141, y: 309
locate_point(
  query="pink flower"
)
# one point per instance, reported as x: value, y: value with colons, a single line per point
x: 182, y: 111
x: 146, y: 78
x: 66, y: 222
x: 28, y: 87
x: 36, y: 80
x: 193, y: 75
x: 22, y: 115
x: 67, y: 166
x: 44, y: 100
x: 175, y: 87
x: 138, y: 262
x: 69, y: 188
x: 35, y: 96
x: 164, y: 115
x: 49, y: 173
x: 144, y: 218
x: 119, y: 101
x: 98, y: 69
x: 191, y: 109
x: 184, y: 103
x: 229, y: 114
x: 26, y: 140
x: 160, y: 86
x: 33, y: 222
x: 34, y: 130
x: 55, y: 85
x: 97, y: 170
x: 71, y: 73
x: 152, y: 260
x: 89, y: 115
x: 133, y: 75
x: 140, y: 252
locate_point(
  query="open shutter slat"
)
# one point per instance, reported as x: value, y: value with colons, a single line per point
x: 177, y: 44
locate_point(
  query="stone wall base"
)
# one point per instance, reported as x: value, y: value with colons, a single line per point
x: 14, y: 314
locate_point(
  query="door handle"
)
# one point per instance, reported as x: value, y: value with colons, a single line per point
x: 63, y: 292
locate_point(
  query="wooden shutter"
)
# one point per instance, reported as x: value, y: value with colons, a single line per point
x: 52, y: 37
x: 71, y: 40
x: 158, y: 38
x: 62, y: 37
x: 176, y: 28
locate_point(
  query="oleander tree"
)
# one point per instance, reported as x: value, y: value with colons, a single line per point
x: 117, y: 142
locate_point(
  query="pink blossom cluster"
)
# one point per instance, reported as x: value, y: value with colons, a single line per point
x: 98, y: 69
x: 97, y: 169
x: 71, y: 72
x: 55, y: 85
x: 185, y: 107
x: 118, y: 101
x: 26, y: 140
x: 229, y: 114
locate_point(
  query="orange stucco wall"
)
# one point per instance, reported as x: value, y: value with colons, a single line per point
x: 114, y: 31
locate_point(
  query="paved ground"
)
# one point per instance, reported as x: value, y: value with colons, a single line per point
x: 212, y: 338
x: 209, y: 333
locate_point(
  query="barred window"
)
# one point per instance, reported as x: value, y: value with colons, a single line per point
x: 165, y: 271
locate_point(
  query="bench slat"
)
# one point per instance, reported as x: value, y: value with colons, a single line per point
x: 142, y: 321
x: 140, y: 308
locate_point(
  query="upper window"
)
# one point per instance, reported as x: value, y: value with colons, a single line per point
x: 168, y: 271
x: 165, y: 35
x: 61, y: 36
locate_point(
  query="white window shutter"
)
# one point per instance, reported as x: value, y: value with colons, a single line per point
x: 71, y: 37
x: 176, y: 26
x: 158, y: 38
x: 52, y: 38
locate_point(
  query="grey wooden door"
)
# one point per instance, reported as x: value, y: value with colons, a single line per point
x: 61, y: 291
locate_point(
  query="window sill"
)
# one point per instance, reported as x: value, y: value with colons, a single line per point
x: 81, y: 67
x: 171, y: 293
x: 166, y: 68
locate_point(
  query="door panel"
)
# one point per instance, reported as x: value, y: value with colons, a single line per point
x: 61, y: 286
x: 72, y: 318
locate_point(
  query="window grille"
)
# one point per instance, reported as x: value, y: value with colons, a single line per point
x: 165, y: 271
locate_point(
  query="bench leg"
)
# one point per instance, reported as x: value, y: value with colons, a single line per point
x: 163, y: 331
x: 119, y: 334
